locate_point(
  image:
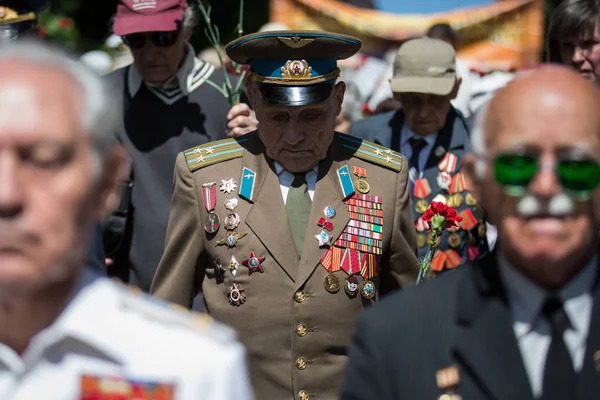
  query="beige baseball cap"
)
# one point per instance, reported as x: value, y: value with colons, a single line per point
x: 424, y: 65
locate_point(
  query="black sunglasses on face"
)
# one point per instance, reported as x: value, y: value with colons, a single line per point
x: 160, y: 39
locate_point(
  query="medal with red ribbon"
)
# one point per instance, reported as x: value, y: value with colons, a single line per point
x: 323, y: 223
x: 212, y: 221
x: 448, y: 163
x: 421, y: 191
x: 468, y: 220
x: 458, y: 184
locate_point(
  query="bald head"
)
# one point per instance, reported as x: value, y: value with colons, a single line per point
x: 543, y: 119
x: 551, y: 99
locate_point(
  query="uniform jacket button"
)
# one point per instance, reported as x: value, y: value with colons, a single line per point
x: 300, y: 296
x: 303, y: 395
x: 301, y: 330
x: 301, y: 363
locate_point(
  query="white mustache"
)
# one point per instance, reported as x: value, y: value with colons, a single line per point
x: 558, y: 206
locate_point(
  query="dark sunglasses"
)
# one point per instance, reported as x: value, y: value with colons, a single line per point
x: 160, y: 39
x: 579, y: 175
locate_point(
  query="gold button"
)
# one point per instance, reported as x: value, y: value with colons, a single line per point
x: 300, y: 296
x: 303, y: 395
x: 301, y: 330
x: 301, y: 363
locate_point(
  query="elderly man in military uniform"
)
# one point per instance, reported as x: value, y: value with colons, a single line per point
x: 60, y: 167
x: 434, y: 137
x: 290, y: 230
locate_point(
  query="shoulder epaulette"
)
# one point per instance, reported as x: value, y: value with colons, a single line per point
x: 214, y: 152
x: 371, y: 152
x: 174, y: 315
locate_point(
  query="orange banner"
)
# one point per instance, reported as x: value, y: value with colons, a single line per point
x: 503, y: 35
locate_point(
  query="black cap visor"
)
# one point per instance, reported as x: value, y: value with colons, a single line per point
x: 296, y: 95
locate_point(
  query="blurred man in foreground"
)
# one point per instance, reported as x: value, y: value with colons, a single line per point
x: 59, y: 165
x: 524, y: 321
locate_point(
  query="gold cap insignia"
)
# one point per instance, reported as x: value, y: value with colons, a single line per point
x: 296, y: 70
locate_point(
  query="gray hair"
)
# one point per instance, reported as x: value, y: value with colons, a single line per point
x: 478, y: 141
x: 102, y: 108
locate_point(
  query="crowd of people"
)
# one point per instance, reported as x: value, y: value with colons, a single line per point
x: 297, y: 245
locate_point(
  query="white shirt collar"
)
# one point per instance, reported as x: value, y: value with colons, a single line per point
x: 408, y: 134
x: 95, y: 300
x: 526, y: 297
x: 279, y: 169
x: 182, y: 79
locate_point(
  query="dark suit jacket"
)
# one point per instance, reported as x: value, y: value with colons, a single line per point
x: 461, y: 319
x: 386, y: 129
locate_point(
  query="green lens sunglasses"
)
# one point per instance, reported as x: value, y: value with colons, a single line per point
x: 579, y: 175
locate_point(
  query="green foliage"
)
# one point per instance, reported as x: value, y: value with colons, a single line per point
x: 58, y: 28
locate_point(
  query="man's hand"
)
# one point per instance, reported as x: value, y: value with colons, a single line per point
x: 241, y: 120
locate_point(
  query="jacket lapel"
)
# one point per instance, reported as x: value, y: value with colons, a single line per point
x: 328, y: 193
x: 267, y: 206
x: 485, y: 343
x: 589, y: 380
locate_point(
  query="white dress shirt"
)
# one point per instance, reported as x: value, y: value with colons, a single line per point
x: 108, y: 331
x: 531, y: 329
x: 406, y: 150
x: 286, y: 178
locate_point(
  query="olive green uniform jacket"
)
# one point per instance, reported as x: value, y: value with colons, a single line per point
x: 296, y: 332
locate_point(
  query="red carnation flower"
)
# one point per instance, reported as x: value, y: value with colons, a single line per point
x: 440, y: 216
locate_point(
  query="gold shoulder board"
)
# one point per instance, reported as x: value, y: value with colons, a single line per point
x: 214, y: 152
x: 371, y: 152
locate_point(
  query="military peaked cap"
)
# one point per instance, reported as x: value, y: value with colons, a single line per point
x: 293, y: 68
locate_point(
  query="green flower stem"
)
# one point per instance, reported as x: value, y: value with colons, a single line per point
x: 426, y: 261
x: 212, y: 34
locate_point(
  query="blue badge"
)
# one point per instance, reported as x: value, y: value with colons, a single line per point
x: 345, y: 181
x: 247, y: 184
x: 329, y: 212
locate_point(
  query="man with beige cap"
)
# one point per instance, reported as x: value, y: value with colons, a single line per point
x: 433, y: 136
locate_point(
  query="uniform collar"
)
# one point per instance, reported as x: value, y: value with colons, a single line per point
x: 279, y: 169
x: 182, y: 80
x: 89, y: 317
x: 408, y: 134
x: 526, y: 298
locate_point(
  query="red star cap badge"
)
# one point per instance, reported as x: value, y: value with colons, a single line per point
x: 254, y: 263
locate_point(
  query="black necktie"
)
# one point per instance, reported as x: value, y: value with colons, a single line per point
x: 416, y: 144
x: 560, y: 379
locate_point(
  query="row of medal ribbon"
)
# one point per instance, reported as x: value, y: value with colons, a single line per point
x: 355, y: 251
